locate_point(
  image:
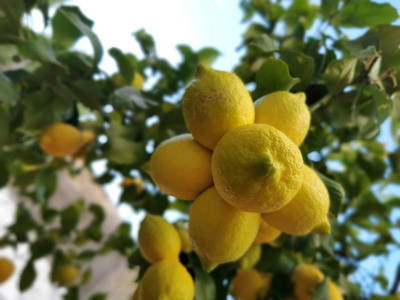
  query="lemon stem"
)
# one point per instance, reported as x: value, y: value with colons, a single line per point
x: 265, y: 166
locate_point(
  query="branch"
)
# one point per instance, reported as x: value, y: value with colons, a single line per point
x: 396, y: 282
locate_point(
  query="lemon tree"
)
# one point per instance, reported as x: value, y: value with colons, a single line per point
x: 304, y: 94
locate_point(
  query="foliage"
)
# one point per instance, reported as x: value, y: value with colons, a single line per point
x: 351, y: 88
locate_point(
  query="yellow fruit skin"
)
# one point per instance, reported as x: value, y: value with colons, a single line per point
x: 286, y: 112
x: 219, y: 232
x: 266, y: 233
x: 307, y: 210
x: 256, y: 168
x: 215, y: 103
x: 186, y: 244
x: 137, y: 183
x: 60, y: 139
x: 166, y: 280
x: 87, y: 137
x: 250, y: 258
x: 250, y: 285
x: 158, y: 239
x: 137, y: 82
x: 334, y: 292
x: 136, y: 294
x: 305, y: 277
x: 6, y: 269
x: 66, y: 275
x: 181, y: 167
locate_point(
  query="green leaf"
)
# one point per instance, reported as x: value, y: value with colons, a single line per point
x: 207, y: 56
x: 4, y: 175
x: 130, y: 98
x: 7, y: 92
x: 204, y: 285
x: 126, y: 64
x: 265, y: 43
x: 389, y: 37
x: 146, y: 42
x: 40, y: 50
x: 4, y: 125
x: 42, y: 247
x: 329, y: 8
x: 86, y: 276
x: 70, y: 216
x: 88, y: 92
x: 98, y: 296
x: 322, y: 291
x: 336, y: 193
x: 365, y: 13
x: 339, y: 74
x: 273, y: 76
x: 28, y: 276
x: 301, y: 66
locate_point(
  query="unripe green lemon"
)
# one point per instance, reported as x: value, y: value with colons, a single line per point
x: 286, y: 112
x: 215, y: 103
x: 181, y: 167
x: 250, y: 285
x: 307, y: 211
x: 158, y: 239
x: 219, y: 232
x: 66, y: 274
x: 6, y: 269
x: 166, y: 280
x: 60, y: 139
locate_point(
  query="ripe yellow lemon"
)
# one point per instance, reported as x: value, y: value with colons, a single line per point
x: 250, y: 258
x: 87, y: 137
x: 6, y: 269
x: 286, y: 112
x: 166, y: 280
x: 266, y: 233
x: 305, y: 277
x: 66, y: 274
x: 158, y: 239
x: 307, y: 211
x: 334, y: 292
x: 250, y: 285
x: 219, y: 232
x: 60, y: 139
x: 215, y: 103
x: 257, y: 168
x: 186, y: 244
x: 137, y: 82
x: 181, y: 167
x: 136, y: 295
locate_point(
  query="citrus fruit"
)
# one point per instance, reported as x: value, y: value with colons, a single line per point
x: 334, y: 292
x: 6, y: 269
x: 219, y: 232
x: 186, y: 244
x: 286, y: 112
x: 60, y: 139
x: 137, y: 82
x: 305, y: 277
x: 307, y: 211
x: 166, y: 280
x: 257, y: 168
x: 87, y: 137
x: 251, y: 257
x: 250, y: 285
x: 136, y: 294
x: 266, y: 233
x: 181, y: 167
x: 66, y: 275
x: 215, y: 103
x: 136, y: 183
x: 158, y: 239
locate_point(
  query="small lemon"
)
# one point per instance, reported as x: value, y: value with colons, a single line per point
x: 137, y: 82
x: 219, y: 232
x: 307, y: 211
x: 305, y: 277
x: 181, y: 167
x: 158, y: 239
x: 250, y: 258
x: 6, y: 269
x: 66, y: 275
x: 186, y: 244
x: 250, y: 285
x: 257, y: 168
x: 286, y: 112
x: 137, y: 183
x: 60, y: 139
x: 87, y: 137
x: 334, y: 291
x: 266, y: 233
x: 166, y: 280
x: 215, y: 103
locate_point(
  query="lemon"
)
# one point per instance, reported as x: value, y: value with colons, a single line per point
x: 158, y: 239
x: 251, y: 257
x: 215, y: 103
x: 60, y: 139
x: 250, y: 285
x: 219, y: 232
x: 166, y: 280
x: 137, y: 82
x: 305, y: 277
x: 137, y: 183
x: 266, y: 233
x: 186, y: 244
x: 6, y: 269
x: 66, y: 275
x: 307, y: 211
x: 181, y: 167
x: 286, y: 112
x: 257, y: 168
x: 334, y: 292
x: 136, y: 295
x: 87, y: 137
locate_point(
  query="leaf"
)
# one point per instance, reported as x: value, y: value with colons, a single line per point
x: 7, y: 92
x: 70, y: 216
x: 273, y: 76
x: 365, y: 13
x: 130, y: 98
x: 339, y: 74
x: 204, y: 285
x: 88, y: 92
x: 329, y: 8
x: 207, y: 56
x: 87, y: 275
x: 40, y: 50
x: 4, y: 175
x: 265, y: 43
x: 98, y: 296
x: 300, y: 65
x: 146, y: 42
x: 4, y: 125
x: 389, y: 37
x: 126, y: 64
x: 28, y: 276
x: 42, y: 247
x: 336, y: 193
x: 322, y: 291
